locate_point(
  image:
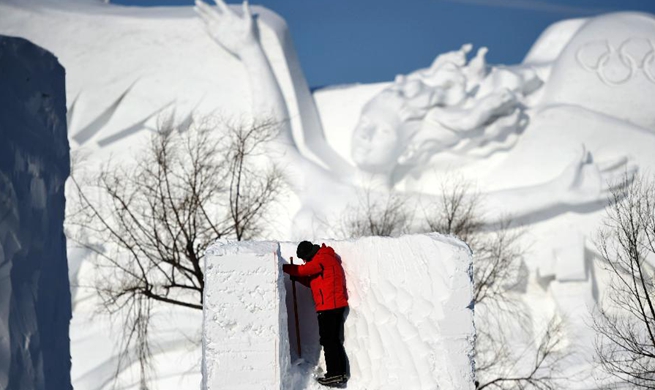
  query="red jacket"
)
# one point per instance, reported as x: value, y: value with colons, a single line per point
x: 326, y: 279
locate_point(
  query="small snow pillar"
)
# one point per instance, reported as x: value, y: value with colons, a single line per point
x: 35, y: 307
x: 245, y: 343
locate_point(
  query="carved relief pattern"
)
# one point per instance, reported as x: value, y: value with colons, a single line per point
x: 617, y: 66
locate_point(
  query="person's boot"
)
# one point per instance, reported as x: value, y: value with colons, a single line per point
x: 333, y: 380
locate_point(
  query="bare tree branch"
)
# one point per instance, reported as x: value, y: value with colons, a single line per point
x: 376, y: 214
x: 498, y: 270
x: 625, y: 324
x: 154, y: 218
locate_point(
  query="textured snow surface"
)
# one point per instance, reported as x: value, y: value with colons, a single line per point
x: 35, y: 308
x: 614, y: 54
x: 410, y: 323
x: 244, y: 314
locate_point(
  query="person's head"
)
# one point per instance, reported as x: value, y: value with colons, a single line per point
x: 306, y: 250
x: 387, y: 124
x: 377, y: 141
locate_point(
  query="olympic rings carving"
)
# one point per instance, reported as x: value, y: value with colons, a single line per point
x: 614, y: 66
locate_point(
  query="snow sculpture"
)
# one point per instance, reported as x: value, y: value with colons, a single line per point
x: 609, y: 67
x: 543, y: 164
x: 35, y: 307
x: 462, y: 109
x: 111, y: 105
x: 114, y: 105
x: 410, y: 324
x: 571, y: 90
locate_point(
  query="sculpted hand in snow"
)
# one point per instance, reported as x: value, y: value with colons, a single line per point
x: 234, y: 32
x: 585, y: 181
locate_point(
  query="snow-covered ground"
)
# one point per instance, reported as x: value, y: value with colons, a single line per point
x: 125, y: 65
x: 35, y: 306
x: 410, y: 323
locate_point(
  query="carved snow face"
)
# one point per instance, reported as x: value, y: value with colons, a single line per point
x: 376, y: 142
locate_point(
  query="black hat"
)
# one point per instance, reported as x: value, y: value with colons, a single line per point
x: 305, y: 250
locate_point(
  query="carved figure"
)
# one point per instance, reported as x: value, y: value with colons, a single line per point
x: 454, y: 106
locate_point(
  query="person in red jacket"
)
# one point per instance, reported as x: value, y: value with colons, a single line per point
x: 324, y: 274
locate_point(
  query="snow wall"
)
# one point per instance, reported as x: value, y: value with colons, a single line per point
x: 410, y: 323
x: 35, y: 305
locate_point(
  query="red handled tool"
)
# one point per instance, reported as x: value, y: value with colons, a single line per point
x: 295, y: 310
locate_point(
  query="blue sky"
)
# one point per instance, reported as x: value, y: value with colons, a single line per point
x: 347, y: 41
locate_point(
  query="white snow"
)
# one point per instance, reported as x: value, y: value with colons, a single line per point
x: 35, y: 307
x: 159, y: 57
x: 410, y: 323
x: 608, y: 60
x: 597, y: 90
x: 164, y: 56
x: 244, y: 318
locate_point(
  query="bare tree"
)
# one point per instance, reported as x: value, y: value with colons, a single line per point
x: 376, y: 214
x: 625, y: 321
x: 501, y: 362
x: 498, y: 270
x: 458, y: 212
x: 251, y: 191
x: 543, y: 370
x: 496, y: 249
x: 154, y: 218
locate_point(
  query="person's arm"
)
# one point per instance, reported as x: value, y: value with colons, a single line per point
x: 237, y: 34
x: 306, y: 270
x: 583, y: 182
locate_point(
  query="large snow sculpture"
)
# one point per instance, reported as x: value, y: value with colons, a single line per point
x: 410, y: 324
x: 35, y: 307
x: 466, y: 118
x: 465, y: 111
x: 546, y: 137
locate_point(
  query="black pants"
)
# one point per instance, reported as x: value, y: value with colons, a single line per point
x: 330, y: 331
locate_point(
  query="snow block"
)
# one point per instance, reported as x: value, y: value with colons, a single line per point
x: 409, y: 326
x: 243, y: 315
x: 35, y: 306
